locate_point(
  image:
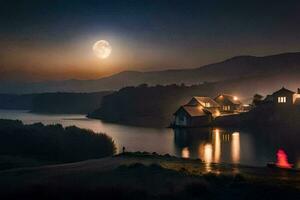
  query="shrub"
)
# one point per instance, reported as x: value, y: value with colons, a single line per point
x: 53, y: 142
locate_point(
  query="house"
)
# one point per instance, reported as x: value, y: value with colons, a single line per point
x: 192, y: 116
x: 205, y: 102
x: 202, y: 111
x: 205, y: 111
x: 296, y: 98
x: 228, y: 103
x: 283, y: 97
x: 269, y: 98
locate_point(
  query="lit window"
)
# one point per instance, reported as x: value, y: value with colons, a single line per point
x: 226, y: 108
x: 281, y: 99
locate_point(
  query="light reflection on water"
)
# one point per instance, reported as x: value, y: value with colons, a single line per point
x: 216, y: 142
x: 210, y: 145
x: 215, y: 145
x: 132, y: 138
x: 235, y: 147
x: 185, y: 153
x: 210, y: 149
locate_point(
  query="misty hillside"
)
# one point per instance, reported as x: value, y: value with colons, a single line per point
x: 154, y: 106
x: 235, y: 68
x: 54, y: 102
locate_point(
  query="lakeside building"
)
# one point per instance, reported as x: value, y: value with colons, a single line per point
x: 205, y: 111
x: 228, y: 103
x: 284, y: 98
x: 201, y: 111
x: 192, y: 116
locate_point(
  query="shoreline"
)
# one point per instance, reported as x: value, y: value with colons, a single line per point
x: 155, y: 176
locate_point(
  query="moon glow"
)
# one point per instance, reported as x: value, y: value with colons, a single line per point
x: 102, y: 49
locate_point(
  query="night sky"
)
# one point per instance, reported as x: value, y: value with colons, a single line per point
x: 52, y: 40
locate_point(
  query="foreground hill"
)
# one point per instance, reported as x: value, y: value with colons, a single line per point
x: 145, y: 176
x: 234, y: 68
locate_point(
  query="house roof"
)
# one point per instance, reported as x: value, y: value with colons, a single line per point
x: 230, y: 98
x: 268, y: 98
x: 209, y: 100
x: 284, y: 90
x: 213, y: 111
x: 194, y: 111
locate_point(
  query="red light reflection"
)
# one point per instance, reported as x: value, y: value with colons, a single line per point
x: 282, y: 160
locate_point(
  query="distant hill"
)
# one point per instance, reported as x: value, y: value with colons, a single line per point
x: 235, y: 68
x: 154, y: 106
x: 147, y: 106
x: 16, y: 102
x: 67, y: 102
x: 54, y: 102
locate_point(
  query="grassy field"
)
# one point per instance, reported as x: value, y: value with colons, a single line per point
x: 147, y: 176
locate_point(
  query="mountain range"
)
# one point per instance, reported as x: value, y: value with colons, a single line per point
x: 281, y: 69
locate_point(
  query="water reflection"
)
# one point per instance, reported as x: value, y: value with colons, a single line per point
x: 216, y: 142
x: 215, y: 145
x: 207, y: 155
x: 235, y: 147
x: 251, y: 147
x: 210, y: 145
x: 185, y: 153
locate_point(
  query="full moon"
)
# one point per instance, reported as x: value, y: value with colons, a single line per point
x: 102, y: 49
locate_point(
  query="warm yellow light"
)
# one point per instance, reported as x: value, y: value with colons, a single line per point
x: 297, y: 165
x: 216, y: 139
x: 217, y: 113
x: 235, y: 98
x: 235, y: 147
x: 208, y: 153
x: 208, y: 156
x: 295, y: 97
x: 185, y: 153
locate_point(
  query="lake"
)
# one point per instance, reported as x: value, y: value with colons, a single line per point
x: 209, y: 144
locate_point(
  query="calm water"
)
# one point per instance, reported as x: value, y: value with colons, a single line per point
x: 210, y: 145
